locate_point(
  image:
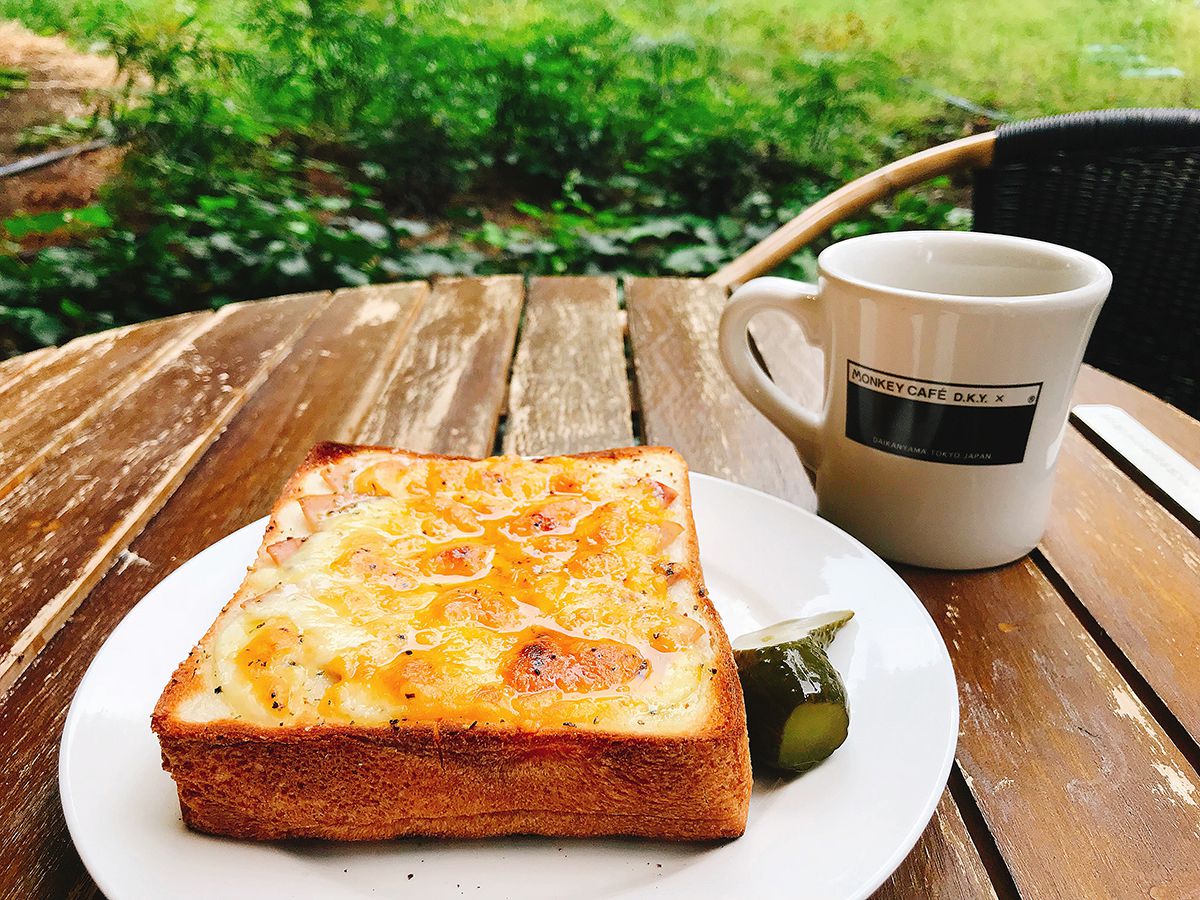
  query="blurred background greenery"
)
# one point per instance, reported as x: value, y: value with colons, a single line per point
x: 260, y: 147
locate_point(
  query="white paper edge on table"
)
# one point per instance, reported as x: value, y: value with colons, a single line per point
x: 628, y: 864
x: 1162, y: 464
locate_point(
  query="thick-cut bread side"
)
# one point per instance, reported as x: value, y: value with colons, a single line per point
x: 649, y: 754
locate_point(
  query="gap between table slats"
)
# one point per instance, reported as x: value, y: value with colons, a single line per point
x: 687, y: 401
x: 333, y: 372
x: 67, y: 522
x: 1173, y: 426
x: 446, y: 394
x: 1136, y: 569
x: 89, y: 377
x: 1083, y: 791
x: 690, y: 404
x: 935, y: 867
x: 568, y: 391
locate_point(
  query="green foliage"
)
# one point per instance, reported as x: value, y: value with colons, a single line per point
x: 572, y: 237
x: 12, y: 80
x: 74, y: 130
x: 22, y: 226
x: 289, y: 149
x: 322, y: 64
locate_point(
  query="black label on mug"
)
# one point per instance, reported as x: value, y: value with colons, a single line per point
x: 960, y: 424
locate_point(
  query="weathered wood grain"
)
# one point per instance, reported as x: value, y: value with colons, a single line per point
x: 66, y: 523
x: 313, y: 394
x: 446, y: 394
x: 37, y: 376
x: 1172, y: 425
x: 1084, y: 793
x: 687, y: 400
x: 381, y: 324
x: 943, y: 866
x: 569, y: 392
x: 792, y: 362
x: 16, y: 366
x: 1082, y: 790
x: 1135, y: 567
x: 85, y: 379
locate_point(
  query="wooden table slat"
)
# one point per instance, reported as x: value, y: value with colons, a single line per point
x: 65, y: 524
x: 569, y: 392
x: 380, y: 325
x: 18, y: 366
x: 313, y: 394
x: 80, y: 363
x: 799, y: 367
x: 87, y: 379
x: 687, y: 400
x: 1143, y: 590
x: 446, y: 393
x: 1083, y: 791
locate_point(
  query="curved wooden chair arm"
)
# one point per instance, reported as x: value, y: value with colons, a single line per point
x: 970, y: 152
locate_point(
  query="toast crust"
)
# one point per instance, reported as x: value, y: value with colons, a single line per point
x: 452, y: 779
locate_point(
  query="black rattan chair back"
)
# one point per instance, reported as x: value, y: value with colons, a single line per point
x: 1123, y: 186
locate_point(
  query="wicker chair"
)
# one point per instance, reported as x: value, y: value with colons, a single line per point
x: 1122, y: 185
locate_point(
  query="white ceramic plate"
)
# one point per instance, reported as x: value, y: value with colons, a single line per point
x: 836, y: 832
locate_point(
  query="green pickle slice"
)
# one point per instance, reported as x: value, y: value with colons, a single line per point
x: 795, y: 699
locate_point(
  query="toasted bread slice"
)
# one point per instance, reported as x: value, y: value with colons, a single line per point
x: 432, y: 645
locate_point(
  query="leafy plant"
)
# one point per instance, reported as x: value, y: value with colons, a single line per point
x: 12, y: 80
x: 290, y: 147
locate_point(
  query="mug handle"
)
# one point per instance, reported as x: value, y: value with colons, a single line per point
x: 800, y: 301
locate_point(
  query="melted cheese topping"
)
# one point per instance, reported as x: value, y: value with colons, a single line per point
x: 535, y: 593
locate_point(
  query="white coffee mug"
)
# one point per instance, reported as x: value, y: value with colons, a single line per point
x: 950, y: 358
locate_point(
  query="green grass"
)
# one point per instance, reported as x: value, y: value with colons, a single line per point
x: 1025, y: 57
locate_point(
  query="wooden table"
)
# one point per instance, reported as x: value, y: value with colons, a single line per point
x: 125, y: 453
